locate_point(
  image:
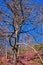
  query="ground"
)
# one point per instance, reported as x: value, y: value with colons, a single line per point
x: 29, y: 58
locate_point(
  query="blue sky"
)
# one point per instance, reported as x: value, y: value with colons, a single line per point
x: 39, y: 28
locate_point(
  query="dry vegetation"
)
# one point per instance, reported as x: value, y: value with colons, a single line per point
x: 24, y: 58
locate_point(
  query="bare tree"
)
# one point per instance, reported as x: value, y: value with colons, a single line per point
x: 21, y: 17
x: 2, y: 49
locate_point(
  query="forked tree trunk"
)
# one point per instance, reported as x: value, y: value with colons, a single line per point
x: 15, y: 49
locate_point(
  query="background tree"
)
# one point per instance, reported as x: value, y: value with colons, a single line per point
x: 2, y: 49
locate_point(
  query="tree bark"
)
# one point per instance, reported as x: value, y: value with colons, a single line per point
x: 15, y: 49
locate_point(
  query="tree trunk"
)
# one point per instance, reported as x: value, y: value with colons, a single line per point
x: 15, y: 49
